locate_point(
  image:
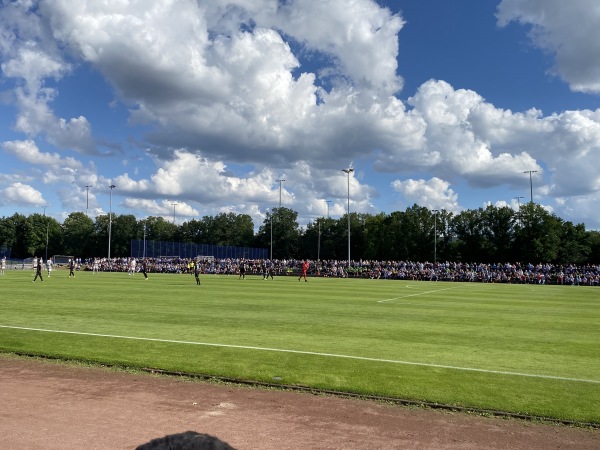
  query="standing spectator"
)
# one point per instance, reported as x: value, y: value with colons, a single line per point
x: 38, y: 270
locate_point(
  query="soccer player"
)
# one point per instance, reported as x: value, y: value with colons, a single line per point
x: 144, y: 269
x: 71, y: 267
x: 38, y: 270
x: 197, y: 273
x: 304, y: 268
x: 49, y: 267
x: 242, y: 270
x: 3, y: 265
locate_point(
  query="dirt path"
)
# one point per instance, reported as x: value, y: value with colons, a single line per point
x: 47, y: 405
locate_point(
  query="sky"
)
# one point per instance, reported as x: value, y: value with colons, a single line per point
x: 192, y: 108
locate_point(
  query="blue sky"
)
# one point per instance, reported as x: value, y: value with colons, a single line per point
x: 199, y: 109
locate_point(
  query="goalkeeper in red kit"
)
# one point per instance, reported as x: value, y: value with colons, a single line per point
x: 304, y: 269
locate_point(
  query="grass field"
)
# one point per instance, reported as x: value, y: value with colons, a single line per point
x: 517, y: 348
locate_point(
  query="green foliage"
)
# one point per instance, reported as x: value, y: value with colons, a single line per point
x: 78, y: 230
x: 418, y: 234
x: 519, y: 348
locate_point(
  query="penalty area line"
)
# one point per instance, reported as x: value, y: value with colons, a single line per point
x: 301, y: 352
x: 414, y: 295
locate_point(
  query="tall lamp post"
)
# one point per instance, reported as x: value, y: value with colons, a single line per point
x: 87, y: 198
x: 328, y: 202
x: 435, y: 212
x: 348, y: 171
x: 174, y: 204
x: 47, y: 238
x: 111, y: 187
x: 271, y: 236
x: 319, y: 242
x: 530, y: 182
x: 518, y: 199
x: 280, y: 181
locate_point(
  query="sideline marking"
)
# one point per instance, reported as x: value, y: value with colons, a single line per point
x: 300, y: 352
x: 414, y: 295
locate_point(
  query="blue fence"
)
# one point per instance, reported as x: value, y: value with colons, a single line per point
x: 155, y: 249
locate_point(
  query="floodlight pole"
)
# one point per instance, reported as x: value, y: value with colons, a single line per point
x: 47, y: 233
x: 327, y: 202
x: 280, y: 181
x: 174, y: 204
x: 518, y: 208
x: 435, y: 212
x: 319, y: 242
x: 111, y: 187
x: 348, y: 171
x: 530, y: 183
x: 87, y: 198
x: 271, y: 234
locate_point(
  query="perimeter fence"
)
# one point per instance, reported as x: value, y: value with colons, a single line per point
x: 164, y: 249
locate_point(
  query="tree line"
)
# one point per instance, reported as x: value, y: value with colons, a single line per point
x: 491, y: 234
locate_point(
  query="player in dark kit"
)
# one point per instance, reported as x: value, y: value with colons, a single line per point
x: 145, y: 269
x: 197, y: 274
x: 38, y: 271
x: 71, y: 267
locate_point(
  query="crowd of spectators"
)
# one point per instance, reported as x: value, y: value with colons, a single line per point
x: 517, y: 273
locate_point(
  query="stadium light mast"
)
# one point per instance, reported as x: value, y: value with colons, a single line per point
x: 327, y: 202
x: 348, y: 171
x: 435, y: 213
x: 518, y: 199
x: 174, y: 204
x: 319, y: 242
x: 47, y: 238
x: 111, y: 187
x: 271, y: 234
x: 87, y: 198
x: 530, y: 183
x: 280, y: 181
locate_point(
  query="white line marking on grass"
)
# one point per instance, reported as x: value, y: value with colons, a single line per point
x: 301, y: 352
x: 414, y: 295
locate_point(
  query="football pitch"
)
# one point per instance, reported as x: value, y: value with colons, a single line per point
x: 525, y: 349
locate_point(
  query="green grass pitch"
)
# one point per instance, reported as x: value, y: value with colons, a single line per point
x: 518, y: 348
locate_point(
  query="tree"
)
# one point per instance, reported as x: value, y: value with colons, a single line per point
x: 499, y: 233
x: 158, y: 229
x: 78, y: 233
x: 419, y: 229
x: 194, y: 231
x: 124, y: 229
x: 286, y: 234
x: 8, y: 236
x: 468, y: 228
x: 538, y: 237
x: 19, y: 236
x: 376, y: 237
x: 594, y: 242
x: 575, y: 245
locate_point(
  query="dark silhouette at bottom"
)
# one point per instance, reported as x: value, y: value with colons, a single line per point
x: 190, y: 440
